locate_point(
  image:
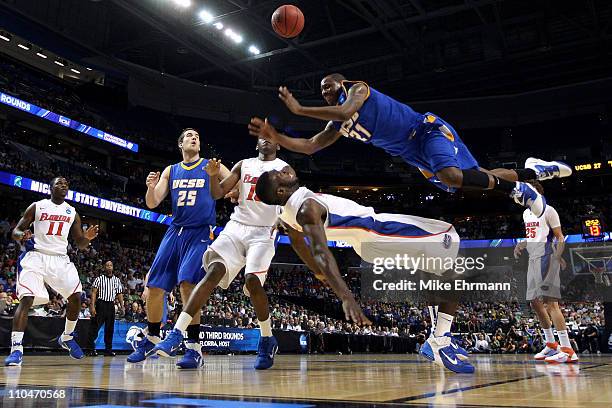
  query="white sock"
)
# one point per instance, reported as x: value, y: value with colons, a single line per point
x: 433, y: 311
x: 17, y: 341
x: 549, y: 335
x: 69, y: 329
x: 443, y: 324
x: 564, y: 338
x: 265, y: 326
x: 153, y: 339
x: 183, y: 321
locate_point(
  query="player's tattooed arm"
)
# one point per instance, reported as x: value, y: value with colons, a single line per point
x: 231, y: 179
x: 355, y: 98
x: 310, y: 217
x: 22, y: 230
x: 157, y: 187
x: 82, y: 239
x: 262, y: 128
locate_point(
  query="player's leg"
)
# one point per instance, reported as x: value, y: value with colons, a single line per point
x: 567, y: 354
x: 68, y: 338
x: 442, y: 348
x: 193, y: 354
x: 162, y: 278
x: 551, y: 347
x: 20, y: 321
x: 95, y: 322
x: 31, y: 291
x: 109, y: 329
x: 258, y: 258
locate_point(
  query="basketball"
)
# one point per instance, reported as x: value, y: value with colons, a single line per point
x: 288, y: 21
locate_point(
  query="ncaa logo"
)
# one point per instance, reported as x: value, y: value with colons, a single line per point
x: 68, y: 211
x: 447, y: 241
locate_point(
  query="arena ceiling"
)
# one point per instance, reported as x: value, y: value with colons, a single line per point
x: 427, y: 49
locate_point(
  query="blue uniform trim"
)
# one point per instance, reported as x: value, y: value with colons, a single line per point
x: 387, y: 228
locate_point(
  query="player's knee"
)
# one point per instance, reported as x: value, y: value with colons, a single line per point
x: 215, y: 272
x: 451, y: 176
x: 252, y: 283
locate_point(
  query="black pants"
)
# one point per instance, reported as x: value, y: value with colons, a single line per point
x: 105, y: 315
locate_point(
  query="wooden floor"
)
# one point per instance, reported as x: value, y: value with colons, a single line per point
x: 309, y: 381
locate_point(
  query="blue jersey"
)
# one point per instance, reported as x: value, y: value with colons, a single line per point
x: 192, y: 203
x: 382, y: 121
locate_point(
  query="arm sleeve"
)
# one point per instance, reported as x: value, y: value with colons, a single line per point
x: 552, y: 218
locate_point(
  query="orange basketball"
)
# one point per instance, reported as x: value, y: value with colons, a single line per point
x: 288, y: 21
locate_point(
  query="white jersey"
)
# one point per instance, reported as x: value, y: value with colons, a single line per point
x: 375, y: 235
x: 52, y: 225
x: 251, y: 211
x: 538, y: 231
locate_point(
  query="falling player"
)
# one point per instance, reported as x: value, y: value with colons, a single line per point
x: 179, y: 257
x: 319, y: 217
x: 543, y: 280
x: 46, y: 262
x: 247, y: 241
x: 425, y: 141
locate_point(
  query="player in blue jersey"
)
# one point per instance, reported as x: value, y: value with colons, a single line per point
x: 179, y: 257
x: 425, y: 141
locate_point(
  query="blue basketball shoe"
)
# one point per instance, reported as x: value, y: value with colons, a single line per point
x: 192, y: 358
x: 266, y: 349
x: 14, y: 359
x: 524, y: 194
x: 427, y: 352
x: 446, y: 356
x: 72, y: 346
x: 170, y: 345
x: 142, y: 347
x: 546, y: 170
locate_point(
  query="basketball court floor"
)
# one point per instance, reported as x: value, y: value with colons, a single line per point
x: 307, y: 381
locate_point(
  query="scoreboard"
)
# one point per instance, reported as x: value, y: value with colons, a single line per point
x: 592, y: 227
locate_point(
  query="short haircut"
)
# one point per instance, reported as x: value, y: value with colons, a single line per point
x: 337, y: 77
x: 266, y: 190
x: 182, y: 135
x: 536, y: 184
x: 54, y: 179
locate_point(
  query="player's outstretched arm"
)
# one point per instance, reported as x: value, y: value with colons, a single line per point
x: 157, y: 187
x: 299, y: 245
x: 82, y: 239
x: 355, y: 98
x: 231, y: 179
x: 22, y: 230
x: 310, y: 218
x: 213, y: 168
x: 262, y: 128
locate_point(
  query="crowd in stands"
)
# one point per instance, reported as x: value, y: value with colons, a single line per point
x: 484, y: 327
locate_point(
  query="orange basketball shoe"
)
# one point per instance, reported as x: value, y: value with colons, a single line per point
x: 550, y: 350
x: 566, y: 355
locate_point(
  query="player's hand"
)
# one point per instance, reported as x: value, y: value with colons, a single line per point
x: 213, y: 167
x: 262, y: 128
x: 153, y: 179
x: 27, y: 234
x: 518, y: 250
x: 352, y: 311
x: 145, y: 294
x: 92, y: 232
x: 233, y: 195
x: 287, y: 97
x: 562, y: 263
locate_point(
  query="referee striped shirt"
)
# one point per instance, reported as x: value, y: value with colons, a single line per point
x: 108, y: 288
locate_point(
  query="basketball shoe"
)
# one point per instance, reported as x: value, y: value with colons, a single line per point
x: 72, y: 346
x: 14, y: 359
x: 525, y: 195
x: 168, y: 346
x: 427, y: 352
x: 546, y: 170
x: 141, y: 349
x: 192, y: 358
x: 266, y: 349
x: 445, y: 355
x: 549, y: 350
x: 565, y: 355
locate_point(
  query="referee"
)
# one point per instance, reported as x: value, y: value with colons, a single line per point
x: 105, y: 289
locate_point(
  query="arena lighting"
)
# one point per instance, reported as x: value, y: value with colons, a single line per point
x: 75, y: 71
x: 237, y: 38
x: 5, y: 38
x: 218, y: 26
x: 41, y: 55
x: 254, y: 50
x: 58, y: 63
x: 205, y: 16
x: 25, y: 47
x: 182, y: 3
x: 89, y: 69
